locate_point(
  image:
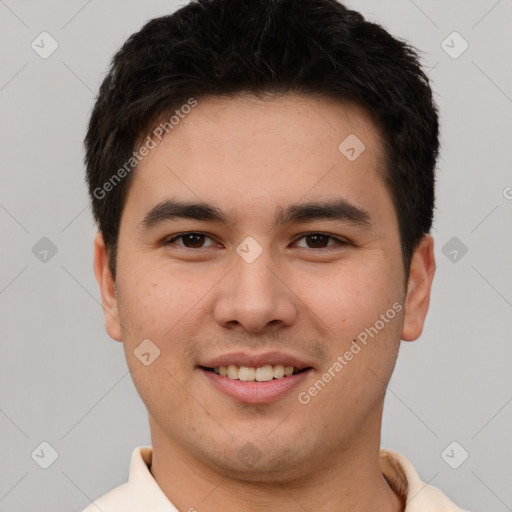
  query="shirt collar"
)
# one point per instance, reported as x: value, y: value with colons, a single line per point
x: 144, y: 485
x: 405, y: 481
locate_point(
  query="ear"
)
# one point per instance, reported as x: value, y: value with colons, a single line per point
x: 417, y: 300
x: 107, y: 288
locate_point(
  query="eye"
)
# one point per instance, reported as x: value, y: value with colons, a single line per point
x: 195, y: 240
x: 191, y: 240
x: 319, y: 240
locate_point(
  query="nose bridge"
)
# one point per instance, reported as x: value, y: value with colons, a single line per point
x: 255, y: 277
x: 253, y: 295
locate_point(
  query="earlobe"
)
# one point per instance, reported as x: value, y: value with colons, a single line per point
x: 418, y: 289
x: 107, y: 288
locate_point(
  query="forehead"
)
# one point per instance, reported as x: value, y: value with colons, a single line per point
x: 247, y: 153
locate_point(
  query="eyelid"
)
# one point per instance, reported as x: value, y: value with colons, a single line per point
x: 340, y: 241
x: 170, y: 239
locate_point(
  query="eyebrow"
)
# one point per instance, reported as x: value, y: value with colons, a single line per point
x: 336, y: 209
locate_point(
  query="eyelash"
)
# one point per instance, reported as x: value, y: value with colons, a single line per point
x: 339, y: 242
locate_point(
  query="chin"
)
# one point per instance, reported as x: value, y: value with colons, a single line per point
x: 270, y: 463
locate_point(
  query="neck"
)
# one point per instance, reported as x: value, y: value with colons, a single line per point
x: 350, y: 481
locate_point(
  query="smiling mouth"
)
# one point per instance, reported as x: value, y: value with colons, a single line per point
x: 261, y: 374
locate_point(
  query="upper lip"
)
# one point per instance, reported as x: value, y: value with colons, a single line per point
x: 255, y: 360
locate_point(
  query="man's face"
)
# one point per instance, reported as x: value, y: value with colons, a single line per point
x: 253, y: 292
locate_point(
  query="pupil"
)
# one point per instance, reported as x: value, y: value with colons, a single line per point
x: 317, y: 237
x: 195, y: 239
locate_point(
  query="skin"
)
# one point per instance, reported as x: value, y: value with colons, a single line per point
x: 248, y: 156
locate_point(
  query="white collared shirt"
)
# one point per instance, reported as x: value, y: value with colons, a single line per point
x: 142, y: 493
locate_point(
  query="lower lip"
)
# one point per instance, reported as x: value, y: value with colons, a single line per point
x: 254, y: 392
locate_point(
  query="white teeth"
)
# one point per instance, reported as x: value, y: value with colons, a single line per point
x: 278, y: 371
x: 264, y: 373
x: 261, y: 374
x: 245, y: 373
x: 233, y: 371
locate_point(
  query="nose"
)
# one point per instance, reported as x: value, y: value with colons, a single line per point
x: 256, y: 297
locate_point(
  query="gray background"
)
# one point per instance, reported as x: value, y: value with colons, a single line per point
x: 64, y: 381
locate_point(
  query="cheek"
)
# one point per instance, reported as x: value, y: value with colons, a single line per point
x: 159, y: 387
x: 160, y: 306
x: 155, y: 308
x: 349, y: 298
x: 154, y: 303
